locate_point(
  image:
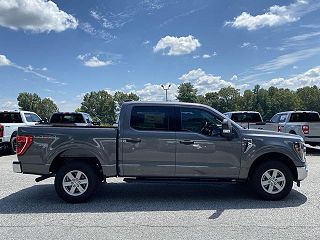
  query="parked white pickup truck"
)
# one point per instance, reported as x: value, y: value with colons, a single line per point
x: 251, y: 120
x: 303, y: 123
x: 9, y: 123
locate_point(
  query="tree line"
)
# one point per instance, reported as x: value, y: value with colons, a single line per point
x: 103, y: 106
x: 266, y: 101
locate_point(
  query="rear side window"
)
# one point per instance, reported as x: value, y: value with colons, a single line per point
x: 9, y: 117
x: 304, y: 117
x: 151, y: 118
x: 246, y: 117
x: 283, y: 118
x: 279, y: 118
x: 30, y: 117
x: 67, y: 118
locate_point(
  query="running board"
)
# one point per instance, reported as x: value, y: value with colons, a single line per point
x: 180, y: 180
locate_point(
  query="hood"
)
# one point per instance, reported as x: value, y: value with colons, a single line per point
x: 270, y: 134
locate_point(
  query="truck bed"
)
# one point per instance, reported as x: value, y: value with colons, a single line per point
x: 51, y: 142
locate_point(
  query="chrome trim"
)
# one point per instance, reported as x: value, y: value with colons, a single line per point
x: 302, y: 172
x: 16, y: 166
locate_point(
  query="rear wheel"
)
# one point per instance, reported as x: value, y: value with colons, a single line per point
x: 76, y: 182
x: 13, y: 144
x: 272, y: 180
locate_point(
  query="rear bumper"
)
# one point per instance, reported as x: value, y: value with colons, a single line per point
x: 302, y: 172
x: 16, y: 166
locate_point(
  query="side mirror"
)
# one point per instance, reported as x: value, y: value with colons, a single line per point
x: 226, y: 129
x: 43, y: 121
x: 97, y: 123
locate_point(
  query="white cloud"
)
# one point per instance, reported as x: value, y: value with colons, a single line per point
x: 209, y: 55
x: 95, y: 62
x: 288, y: 59
x: 308, y: 78
x: 4, y: 61
x: 97, y: 33
x: 177, y: 45
x: 305, y: 36
x: 146, y: 42
x: 90, y: 60
x: 35, y: 16
x: 44, y: 69
x: 8, y: 104
x: 204, y: 82
x: 234, y: 78
x: 248, y: 45
x: 275, y: 16
x: 195, y: 56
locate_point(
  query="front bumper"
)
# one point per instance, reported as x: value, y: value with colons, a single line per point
x: 16, y: 165
x: 302, y: 172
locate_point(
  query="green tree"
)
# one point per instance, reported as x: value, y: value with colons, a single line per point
x: 47, y: 108
x: 32, y: 102
x: 29, y: 101
x: 121, y: 97
x: 229, y: 99
x: 187, y: 93
x: 309, y: 98
x: 99, y: 105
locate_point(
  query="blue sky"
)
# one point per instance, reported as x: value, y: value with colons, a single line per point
x: 63, y: 49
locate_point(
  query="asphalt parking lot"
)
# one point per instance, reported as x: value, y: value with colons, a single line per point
x: 30, y: 210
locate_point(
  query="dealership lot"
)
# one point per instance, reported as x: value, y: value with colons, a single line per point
x: 30, y: 210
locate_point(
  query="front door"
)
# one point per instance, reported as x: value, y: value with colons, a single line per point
x: 148, y: 141
x: 201, y: 150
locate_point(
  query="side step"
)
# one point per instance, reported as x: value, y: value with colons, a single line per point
x: 180, y: 180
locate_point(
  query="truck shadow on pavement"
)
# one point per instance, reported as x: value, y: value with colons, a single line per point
x: 133, y: 197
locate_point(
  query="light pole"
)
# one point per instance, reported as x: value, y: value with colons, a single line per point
x: 166, y: 89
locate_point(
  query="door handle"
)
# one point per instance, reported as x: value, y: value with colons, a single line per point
x: 133, y: 140
x: 187, y: 142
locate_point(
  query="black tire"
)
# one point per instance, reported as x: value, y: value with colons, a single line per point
x: 90, y: 173
x: 259, y: 177
x: 13, y: 144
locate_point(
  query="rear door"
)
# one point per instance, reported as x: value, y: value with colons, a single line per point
x: 147, y: 138
x: 201, y: 151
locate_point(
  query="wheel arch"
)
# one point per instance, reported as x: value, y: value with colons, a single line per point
x: 75, y: 154
x: 274, y: 156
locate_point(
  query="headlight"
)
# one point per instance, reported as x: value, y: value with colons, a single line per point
x: 300, y: 149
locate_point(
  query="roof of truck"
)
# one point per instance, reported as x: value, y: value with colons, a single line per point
x: 243, y: 112
x: 297, y: 112
x: 164, y: 103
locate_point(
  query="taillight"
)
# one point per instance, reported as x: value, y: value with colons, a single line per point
x: 279, y: 128
x: 305, y: 129
x: 23, y: 143
x: 1, y: 130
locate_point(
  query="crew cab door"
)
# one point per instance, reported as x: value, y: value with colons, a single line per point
x: 147, y: 141
x: 201, y: 150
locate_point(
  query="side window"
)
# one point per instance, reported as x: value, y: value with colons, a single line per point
x: 283, y: 118
x: 275, y: 118
x: 35, y: 118
x: 30, y: 117
x: 200, y: 121
x: 151, y: 118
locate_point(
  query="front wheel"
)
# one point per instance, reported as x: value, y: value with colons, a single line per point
x: 76, y: 182
x: 272, y: 180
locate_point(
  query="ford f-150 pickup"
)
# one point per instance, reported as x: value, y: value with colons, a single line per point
x: 156, y: 142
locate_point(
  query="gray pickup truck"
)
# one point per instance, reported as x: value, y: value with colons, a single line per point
x: 162, y: 142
